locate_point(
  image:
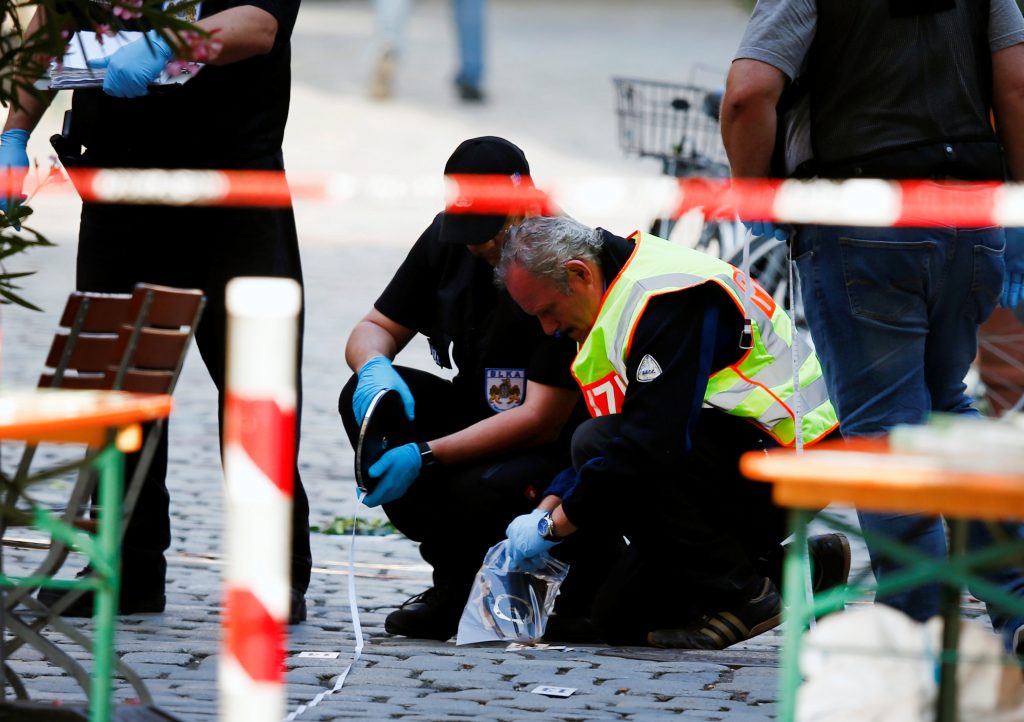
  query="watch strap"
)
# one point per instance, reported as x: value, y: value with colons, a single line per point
x: 547, y: 524
x: 426, y: 454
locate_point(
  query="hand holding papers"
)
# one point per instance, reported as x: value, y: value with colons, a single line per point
x: 73, y: 70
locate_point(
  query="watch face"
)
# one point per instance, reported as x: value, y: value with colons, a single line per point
x: 544, y: 526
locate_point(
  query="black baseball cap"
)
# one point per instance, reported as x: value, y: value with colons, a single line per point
x: 487, y: 155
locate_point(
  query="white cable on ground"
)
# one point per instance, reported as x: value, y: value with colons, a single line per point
x: 357, y: 628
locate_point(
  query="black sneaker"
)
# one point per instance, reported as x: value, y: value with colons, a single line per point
x: 724, y: 629
x: 297, y: 607
x: 469, y: 93
x: 433, y: 614
x: 830, y: 561
x: 132, y: 601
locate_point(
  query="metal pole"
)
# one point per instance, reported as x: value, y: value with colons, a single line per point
x: 111, y: 468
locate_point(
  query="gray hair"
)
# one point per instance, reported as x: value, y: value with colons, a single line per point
x: 542, y: 246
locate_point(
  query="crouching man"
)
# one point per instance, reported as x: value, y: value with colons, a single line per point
x: 683, y: 371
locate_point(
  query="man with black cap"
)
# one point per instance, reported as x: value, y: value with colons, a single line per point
x: 489, y: 440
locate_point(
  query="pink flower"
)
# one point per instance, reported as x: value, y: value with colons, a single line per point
x: 201, y: 49
x: 127, y: 9
x: 103, y: 30
x: 181, y: 67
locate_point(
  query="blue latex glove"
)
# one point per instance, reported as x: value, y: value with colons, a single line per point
x: 395, y: 472
x: 1013, y: 277
x: 781, y: 232
x: 14, y: 164
x: 376, y: 375
x: 526, y: 546
x: 131, y: 69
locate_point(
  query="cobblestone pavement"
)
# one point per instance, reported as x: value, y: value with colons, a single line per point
x: 550, y: 91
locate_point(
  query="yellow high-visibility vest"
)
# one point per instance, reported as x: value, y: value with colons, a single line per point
x: 758, y: 387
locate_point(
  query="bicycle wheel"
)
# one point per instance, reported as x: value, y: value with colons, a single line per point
x: 689, y: 231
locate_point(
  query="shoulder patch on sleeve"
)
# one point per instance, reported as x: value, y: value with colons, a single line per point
x: 648, y: 370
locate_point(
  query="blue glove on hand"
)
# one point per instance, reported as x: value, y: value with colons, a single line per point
x: 525, y: 544
x: 781, y: 232
x: 14, y: 167
x: 131, y: 69
x: 1013, y: 276
x: 376, y: 375
x: 395, y: 471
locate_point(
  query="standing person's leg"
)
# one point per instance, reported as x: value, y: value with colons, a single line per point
x: 972, y: 287
x: 389, y: 20
x: 469, y: 26
x: 112, y: 259
x: 253, y: 242
x: 867, y: 294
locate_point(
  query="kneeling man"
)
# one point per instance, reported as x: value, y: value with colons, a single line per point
x: 683, y: 370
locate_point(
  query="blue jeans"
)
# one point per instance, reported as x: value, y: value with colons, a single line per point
x: 894, y: 314
x: 469, y: 26
x: 390, y: 18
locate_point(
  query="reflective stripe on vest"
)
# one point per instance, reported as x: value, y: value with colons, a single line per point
x: 758, y: 387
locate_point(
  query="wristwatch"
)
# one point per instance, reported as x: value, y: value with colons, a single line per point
x: 546, y: 527
x: 426, y: 454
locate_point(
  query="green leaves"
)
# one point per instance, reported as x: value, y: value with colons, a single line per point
x: 364, y: 527
x: 25, y: 57
x: 11, y: 244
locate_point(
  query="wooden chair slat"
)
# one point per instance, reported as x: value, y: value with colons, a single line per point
x: 170, y: 307
x: 155, y: 349
x: 107, y: 311
x: 147, y: 382
x: 91, y: 352
x: 77, y: 381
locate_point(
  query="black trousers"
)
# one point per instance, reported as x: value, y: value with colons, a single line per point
x: 699, y: 538
x: 120, y: 246
x: 457, y: 512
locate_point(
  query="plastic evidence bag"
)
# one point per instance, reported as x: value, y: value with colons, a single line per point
x: 506, y: 605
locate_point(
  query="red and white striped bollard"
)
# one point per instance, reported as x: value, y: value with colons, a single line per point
x: 259, y: 464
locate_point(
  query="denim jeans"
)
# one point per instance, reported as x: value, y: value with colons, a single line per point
x: 391, y: 17
x: 469, y: 26
x: 894, y: 314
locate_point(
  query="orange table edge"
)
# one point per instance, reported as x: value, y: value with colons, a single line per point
x: 84, y: 417
x: 867, y: 474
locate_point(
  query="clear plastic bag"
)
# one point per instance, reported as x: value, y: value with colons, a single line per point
x: 506, y: 605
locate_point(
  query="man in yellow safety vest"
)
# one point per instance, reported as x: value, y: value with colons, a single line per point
x: 684, y: 366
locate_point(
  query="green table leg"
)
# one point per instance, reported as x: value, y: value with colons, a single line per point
x: 111, y: 468
x: 951, y: 627
x: 797, y: 612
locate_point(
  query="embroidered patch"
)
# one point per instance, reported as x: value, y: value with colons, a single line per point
x: 648, y: 370
x: 505, y: 388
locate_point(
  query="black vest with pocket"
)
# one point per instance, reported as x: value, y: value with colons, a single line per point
x: 895, y: 89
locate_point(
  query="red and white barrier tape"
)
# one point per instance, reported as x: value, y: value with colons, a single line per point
x: 851, y: 202
x: 259, y: 464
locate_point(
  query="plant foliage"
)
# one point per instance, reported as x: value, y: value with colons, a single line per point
x: 24, y: 58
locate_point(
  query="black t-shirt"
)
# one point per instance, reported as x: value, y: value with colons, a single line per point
x: 691, y: 335
x: 227, y: 116
x: 447, y: 294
